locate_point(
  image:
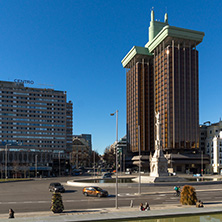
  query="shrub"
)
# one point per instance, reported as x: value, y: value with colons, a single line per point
x: 188, y: 195
x: 57, y: 204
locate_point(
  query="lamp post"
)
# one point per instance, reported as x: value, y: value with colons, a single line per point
x: 6, y: 161
x: 139, y: 187
x: 59, y: 166
x: 94, y: 163
x: 6, y: 157
x: 202, y: 172
x: 112, y: 114
x: 36, y: 165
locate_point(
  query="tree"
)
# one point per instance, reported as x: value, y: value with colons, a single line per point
x: 57, y: 204
x: 188, y: 195
x: 109, y: 156
x: 96, y: 156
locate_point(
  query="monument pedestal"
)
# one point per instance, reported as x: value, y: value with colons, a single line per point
x: 158, y: 163
x: 153, y: 179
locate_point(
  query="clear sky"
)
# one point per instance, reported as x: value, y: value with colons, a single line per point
x: 77, y: 46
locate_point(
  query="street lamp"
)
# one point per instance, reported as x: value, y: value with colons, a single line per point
x: 112, y: 114
x: 59, y: 166
x: 202, y: 171
x: 139, y: 187
x: 94, y: 163
x: 6, y: 160
x: 36, y: 165
x: 6, y: 157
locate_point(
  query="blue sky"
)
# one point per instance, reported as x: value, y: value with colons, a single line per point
x: 77, y: 46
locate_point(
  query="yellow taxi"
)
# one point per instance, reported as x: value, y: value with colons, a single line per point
x: 94, y: 191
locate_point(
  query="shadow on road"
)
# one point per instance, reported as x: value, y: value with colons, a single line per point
x: 111, y: 195
x: 70, y: 191
x: 208, y: 203
x: 79, y: 211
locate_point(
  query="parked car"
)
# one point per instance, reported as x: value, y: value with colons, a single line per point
x: 56, y: 187
x: 94, y: 191
x: 77, y: 172
x: 197, y: 175
x: 172, y: 174
x: 107, y: 175
x: 128, y: 171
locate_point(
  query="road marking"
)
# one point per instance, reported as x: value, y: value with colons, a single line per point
x: 125, y: 194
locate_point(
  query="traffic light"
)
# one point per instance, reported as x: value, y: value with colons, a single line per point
x: 119, y: 150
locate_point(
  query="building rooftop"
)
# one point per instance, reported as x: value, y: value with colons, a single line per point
x: 159, y: 32
x: 20, y: 85
x: 135, y: 52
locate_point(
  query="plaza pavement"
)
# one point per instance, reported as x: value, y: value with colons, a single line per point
x: 113, y: 213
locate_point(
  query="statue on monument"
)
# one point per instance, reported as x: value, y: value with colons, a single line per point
x: 158, y: 164
x: 158, y: 131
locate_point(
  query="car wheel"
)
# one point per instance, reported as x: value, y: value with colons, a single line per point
x: 86, y: 194
x: 99, y: 195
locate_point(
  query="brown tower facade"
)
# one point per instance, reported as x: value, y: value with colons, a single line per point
x: 139, y: 80
x: 163, y: 77
x: 176, y: 93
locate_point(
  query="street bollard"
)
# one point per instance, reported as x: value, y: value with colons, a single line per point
x: 131, y: 203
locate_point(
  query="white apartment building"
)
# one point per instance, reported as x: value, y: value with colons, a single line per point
x: 213, y: 147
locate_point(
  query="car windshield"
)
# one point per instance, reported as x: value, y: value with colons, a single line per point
x: 98, y: 188
x: 57, y: 184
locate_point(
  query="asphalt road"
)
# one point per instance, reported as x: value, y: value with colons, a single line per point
x: 34, y: 196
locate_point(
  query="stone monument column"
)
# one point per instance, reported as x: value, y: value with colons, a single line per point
x: 158, y: 165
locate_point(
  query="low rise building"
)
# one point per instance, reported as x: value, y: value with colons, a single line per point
x: 213, y: 147
x: 81, y: 153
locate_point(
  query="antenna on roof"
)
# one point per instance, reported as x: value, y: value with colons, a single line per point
x: 46, y: 85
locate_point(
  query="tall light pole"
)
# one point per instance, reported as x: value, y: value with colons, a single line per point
x: 112, y: 114
x: 139, y: 187
x: 94, y: 163
x: 36, y: 165
x: 6, y: 161
x: 59, y: 166
x: 202, y: 172
x: 70, y: 163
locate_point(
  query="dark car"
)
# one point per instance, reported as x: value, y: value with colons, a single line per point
x: 94, y: 191
x: 107, y: 176
x: 56, y: 187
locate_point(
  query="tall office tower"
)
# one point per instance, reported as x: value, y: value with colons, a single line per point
x: 34, y: 117
x: 140, y: 103
x: 163, y: 77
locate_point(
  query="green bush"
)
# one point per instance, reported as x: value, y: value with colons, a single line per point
x: 188, y: 195
x: 57, y: 204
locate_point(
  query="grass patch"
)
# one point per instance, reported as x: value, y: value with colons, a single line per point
x: 14, y: 180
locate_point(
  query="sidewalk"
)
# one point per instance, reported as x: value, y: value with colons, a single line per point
x: 113, y: 213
